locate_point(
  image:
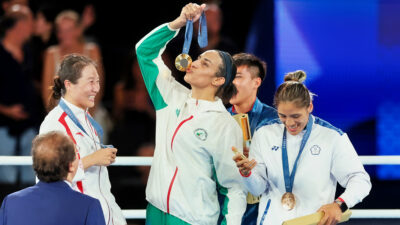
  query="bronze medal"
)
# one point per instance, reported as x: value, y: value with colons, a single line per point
x: 288, y: 201
x: 183, y: 62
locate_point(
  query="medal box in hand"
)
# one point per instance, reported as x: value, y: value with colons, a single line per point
x: 313, y: 219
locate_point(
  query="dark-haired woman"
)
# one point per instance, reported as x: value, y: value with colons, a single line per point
x: 194, y: 134
x: 75, y: 89
x: 297, y: 160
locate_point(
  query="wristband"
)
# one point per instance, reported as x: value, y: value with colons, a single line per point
x: 342, y: 204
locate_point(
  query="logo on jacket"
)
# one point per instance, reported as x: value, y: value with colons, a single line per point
x: 201, y: 134
x: 274, y: 148
x: 315, y: 150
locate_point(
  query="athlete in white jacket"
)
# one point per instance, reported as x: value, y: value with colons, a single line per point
x: 327, y: 157
x: 78, y: 84
x: 194, y: 134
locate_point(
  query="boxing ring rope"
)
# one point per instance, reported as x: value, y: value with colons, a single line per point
x: 146, y: 161
x: 356, y: 213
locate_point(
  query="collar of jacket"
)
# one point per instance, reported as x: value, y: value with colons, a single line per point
x: 206, y: 106
x: 58, y: 184
x: 78, y: 112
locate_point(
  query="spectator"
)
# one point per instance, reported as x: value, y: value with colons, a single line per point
x: 44, y: 37
x: 19, y: 111
x: 133, y: 112
x: 6, y: 4
x: 69, y: 34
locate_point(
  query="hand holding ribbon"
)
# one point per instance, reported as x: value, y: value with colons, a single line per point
x: 190, y: 13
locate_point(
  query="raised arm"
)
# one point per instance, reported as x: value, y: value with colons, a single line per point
x: 156, y: 75
x: 189, y: 12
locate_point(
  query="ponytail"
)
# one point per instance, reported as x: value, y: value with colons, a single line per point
x: 58, y: 90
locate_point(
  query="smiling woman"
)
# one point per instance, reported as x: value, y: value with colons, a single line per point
x: 294, y: 102
x: 82, y: 93
x: 75, y: 90
x: 78, y: 82
x: 302, y: 146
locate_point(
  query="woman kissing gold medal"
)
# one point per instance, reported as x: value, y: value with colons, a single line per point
x: 183, y: 60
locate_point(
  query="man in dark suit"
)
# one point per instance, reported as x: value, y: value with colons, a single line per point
x: 52, y: 201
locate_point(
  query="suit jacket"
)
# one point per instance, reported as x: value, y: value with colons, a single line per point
x: 52, y: 203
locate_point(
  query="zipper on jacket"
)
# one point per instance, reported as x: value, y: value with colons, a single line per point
x: 100, y: 167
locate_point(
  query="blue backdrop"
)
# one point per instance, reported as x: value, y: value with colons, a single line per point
x: 350, y: 51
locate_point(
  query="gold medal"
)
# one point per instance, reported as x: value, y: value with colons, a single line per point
x: 288, y: 201
x: 183, y: 62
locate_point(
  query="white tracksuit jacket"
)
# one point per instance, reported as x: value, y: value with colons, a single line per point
x: 193, y: 145
x: 328, y: 157
x: 95, y: 181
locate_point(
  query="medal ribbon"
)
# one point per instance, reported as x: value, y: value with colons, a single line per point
x: 95, y: 125
x: 289, y: 178
x: 202, y: 35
